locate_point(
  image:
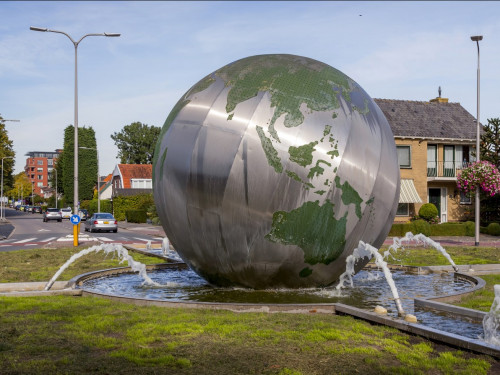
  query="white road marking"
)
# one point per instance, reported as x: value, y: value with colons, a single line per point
x: 104, y: 239
x: 141, y: 239
x: 24, y: 241
x: 49, y: 239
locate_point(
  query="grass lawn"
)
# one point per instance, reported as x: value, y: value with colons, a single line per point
x: 81, y: 335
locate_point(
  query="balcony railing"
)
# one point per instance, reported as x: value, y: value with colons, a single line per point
x: 445, y: 168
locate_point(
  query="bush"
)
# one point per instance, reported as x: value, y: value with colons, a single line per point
x: 493, y: 229
x: 421, y: 226
x: 136, y: 216
x: 470, y: 228
x: 428, y: 212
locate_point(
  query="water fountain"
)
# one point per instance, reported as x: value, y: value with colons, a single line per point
x: 491, y: 322
x: 266, y: 186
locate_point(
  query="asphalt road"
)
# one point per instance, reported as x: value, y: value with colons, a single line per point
x: 29, y: 231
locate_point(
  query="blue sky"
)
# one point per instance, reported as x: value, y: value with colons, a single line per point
x: 394, y: 50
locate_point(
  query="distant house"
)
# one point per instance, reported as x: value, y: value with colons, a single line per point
x: 106, y: 189
x: 132, y: 179
x: 434, y: 141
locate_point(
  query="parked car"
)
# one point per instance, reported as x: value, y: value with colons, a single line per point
x: 84, y: 214
x: 52, y: 214
x: 36, y: 209
x: 101, y: 221
x: 66, y: 213
x: 28, y: 208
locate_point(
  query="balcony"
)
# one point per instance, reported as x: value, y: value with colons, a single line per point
x: 444, y: 170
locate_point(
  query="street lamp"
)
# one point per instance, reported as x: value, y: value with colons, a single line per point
x: 75, y: 196
x: 55, y: 170
x: 98, y: 177
x: 1, y: 193
x: 476, y: 39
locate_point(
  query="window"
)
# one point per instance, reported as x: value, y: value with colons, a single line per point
x: 403, y: 209
x: 39, y: 170
x: 50, y: 162
x: 40, y: 184
x: 465, y: 198
x: 39, y: 177
x: 404, y: 156
x: 39, y: 162
x: 141, y: 183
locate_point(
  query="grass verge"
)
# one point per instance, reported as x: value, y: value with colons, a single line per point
x: 40, y: 335
x: 41, y: 264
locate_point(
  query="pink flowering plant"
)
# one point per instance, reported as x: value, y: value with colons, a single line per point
x: 481, y: 173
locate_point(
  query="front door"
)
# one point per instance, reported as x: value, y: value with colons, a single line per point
x: 435, y: 198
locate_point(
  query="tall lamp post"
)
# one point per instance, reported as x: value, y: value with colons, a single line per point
x: 2, y: 217
x: 75, y: 196
x: 55, y: 170
x: 476, y: 39
x: 98, y: 177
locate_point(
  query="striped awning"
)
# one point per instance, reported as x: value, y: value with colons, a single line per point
x: 408, y: 193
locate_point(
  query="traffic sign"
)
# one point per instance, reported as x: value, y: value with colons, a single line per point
x: 75, y: 219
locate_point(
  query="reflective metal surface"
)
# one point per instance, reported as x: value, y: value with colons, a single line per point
x: 269, y: 172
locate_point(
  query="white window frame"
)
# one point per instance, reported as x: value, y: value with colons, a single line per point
x: 409, y: 156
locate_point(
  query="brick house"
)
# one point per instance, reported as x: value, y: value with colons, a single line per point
x: 132, y: 179
x: 434, y: 141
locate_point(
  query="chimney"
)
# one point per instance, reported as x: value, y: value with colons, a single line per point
x: 439, y: 99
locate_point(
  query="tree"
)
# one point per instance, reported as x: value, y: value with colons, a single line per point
x: 87, y: 164
x: 22, y: 187
x: 136, y: 143
x: 490, y: 142
x: 6, y: 152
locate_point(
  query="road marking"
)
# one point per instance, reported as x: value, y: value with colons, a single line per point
x: 104, y: 239
x: 24, y: 241
x: 49, y: 239
x: 141, y: 239
x: 5, y: 245
x: 44, y: 230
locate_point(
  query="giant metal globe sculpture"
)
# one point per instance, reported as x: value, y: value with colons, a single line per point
x: 269, y: 171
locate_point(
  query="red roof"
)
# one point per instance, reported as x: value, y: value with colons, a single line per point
x: 130, y: 171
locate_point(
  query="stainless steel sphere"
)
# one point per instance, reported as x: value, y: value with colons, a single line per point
x: 269, y: 171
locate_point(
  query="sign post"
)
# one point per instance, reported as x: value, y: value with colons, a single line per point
x: 75, y: 219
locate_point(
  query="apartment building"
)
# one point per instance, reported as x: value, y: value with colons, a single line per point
x: 39, y: 168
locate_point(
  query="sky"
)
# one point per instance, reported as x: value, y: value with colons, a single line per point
x: 394, y: 50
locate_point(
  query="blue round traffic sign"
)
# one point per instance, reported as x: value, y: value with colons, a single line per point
x: 75, y: 219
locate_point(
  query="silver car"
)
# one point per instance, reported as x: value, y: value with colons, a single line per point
x: 101, y: 221
x: 52, y: 214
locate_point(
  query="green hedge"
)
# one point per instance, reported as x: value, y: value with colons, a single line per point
x: 136, y: 216
x: 134, y: 202
x: 91, y: 206
x: 445, y: 229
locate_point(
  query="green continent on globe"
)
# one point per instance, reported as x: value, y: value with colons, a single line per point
x: 271, y: 154
x: 349, y: 195
x: 313, y: 228
x: 302, y: 155
x: 290, y: 80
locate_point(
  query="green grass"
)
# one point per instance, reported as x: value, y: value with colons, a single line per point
x: 482, y: 299
x: 41, y: 264
x: 80, y: 335
x: 420, y: 256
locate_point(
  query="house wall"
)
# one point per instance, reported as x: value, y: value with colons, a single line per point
x: 455, y: 211
x: 417, y: 172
